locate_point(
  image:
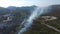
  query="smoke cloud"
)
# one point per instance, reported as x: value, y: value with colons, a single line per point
x: 27, y: 23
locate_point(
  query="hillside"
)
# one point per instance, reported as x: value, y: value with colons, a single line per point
x: 18, y: 14
x: 54, y: 10
x: 41, y: 26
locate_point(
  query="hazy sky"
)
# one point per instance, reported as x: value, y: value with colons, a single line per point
x: 6, y: 3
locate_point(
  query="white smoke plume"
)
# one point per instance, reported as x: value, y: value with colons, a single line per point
x: 27, y: 23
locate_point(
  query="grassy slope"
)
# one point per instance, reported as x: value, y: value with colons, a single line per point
x: 38, y: 28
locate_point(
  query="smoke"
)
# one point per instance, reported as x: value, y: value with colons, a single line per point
x: 27, y: 23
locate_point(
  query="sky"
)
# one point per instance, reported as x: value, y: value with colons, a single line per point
x: 19, y: 3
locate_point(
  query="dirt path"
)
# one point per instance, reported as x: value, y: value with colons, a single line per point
x: 42, y: 22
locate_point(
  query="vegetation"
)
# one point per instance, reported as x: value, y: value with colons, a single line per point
x: 20, y: 13
x: 38, y: 28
